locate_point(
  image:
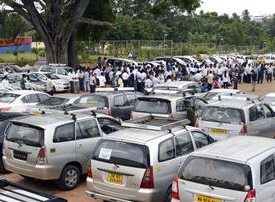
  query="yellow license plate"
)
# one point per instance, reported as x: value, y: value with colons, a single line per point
x: 115, y: 178
x: 201, y: 198
x: 218, y: 131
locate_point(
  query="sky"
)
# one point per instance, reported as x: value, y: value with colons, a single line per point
x: 255, y: 7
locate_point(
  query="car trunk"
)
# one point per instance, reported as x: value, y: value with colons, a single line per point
x: 22, y: 146
x: 118, y: 168
x: 94, y: 100
x: 206, y: 179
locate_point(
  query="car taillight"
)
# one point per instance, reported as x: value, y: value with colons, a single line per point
x: 90, y: 174
x: 6, y: 109
x: 175, y: 189
x: 197, y: 123
x: 148, y: 179
x: 244, y: 129
x: 250, y: 197
x: 107, y: 111
x: 41, y: 159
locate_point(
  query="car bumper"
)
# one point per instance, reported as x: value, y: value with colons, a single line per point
x: 144, y: 195
x: 61, y: 88
x: 42, y: 172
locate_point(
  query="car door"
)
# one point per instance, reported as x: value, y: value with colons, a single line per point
x: 29, y: 101
x: 87, y: 135
x: 266, y: 189
x: 109, y: 125
x: 131, y: 100
x: 120, y: 108
x: 269, y: 131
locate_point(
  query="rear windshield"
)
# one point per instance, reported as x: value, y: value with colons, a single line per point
x: 223, y: 115
x: 93, y: 100
x: 152, y: 105
x: 217, y: 173
x: 209, y: 96
x: 122, y: 153
x: 25, y: 134
x: 53, y: 101
x: 8, y: 97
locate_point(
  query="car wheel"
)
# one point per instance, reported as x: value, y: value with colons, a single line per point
x: 168, y: 195
x: 70, y: 177
x: 2, y: 168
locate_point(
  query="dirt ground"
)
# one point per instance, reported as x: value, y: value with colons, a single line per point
x: 79, y: 193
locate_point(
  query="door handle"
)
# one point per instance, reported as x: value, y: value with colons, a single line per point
x: 79, y: 146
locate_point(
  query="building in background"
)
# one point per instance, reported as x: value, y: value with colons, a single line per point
x: 19, y: 44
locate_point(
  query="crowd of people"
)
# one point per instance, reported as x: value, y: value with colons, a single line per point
x: 144, y: 76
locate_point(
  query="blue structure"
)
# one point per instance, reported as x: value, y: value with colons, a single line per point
x: 12, y: 49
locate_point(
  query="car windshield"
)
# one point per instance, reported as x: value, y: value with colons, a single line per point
x: 153, y: 105
x: 270, y: 100
x: 51, y: 76
x: 222, y: 114
x: 25, y: 134
x: 217, y: 173
x: 32, y: 78
x: 8, y: 97
x: 53, y: 101
x: 122, y: 153
x: 93, y: 101
x: 209, y: 96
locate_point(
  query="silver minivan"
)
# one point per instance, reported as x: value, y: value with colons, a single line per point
x: 239, y: 169
x: 53, y: 146
x: 139, y: 163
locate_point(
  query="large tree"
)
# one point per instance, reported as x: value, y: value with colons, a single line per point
x: 56, y: 21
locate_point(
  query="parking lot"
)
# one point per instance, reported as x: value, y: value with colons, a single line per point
x: 78, y: 194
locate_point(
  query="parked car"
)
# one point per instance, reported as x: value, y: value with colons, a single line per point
x: 171, y: 60
x: 59, y: 85
x: 270, y: 99
x: 227, y: 118
x: 119, y: 62
x: 5, y: 118
x: 239, y: 169
x: 32, y: 82
x: 61, y: 70
x: 188, y: 59
x: 118, y: 104
x: 53, y: 146
x: 20, y: 100
x: 14, y: 85
x: 139, y: 162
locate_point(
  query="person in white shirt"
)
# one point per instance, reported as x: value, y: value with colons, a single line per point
x: 125, y: 77
x: 155, y: 80
x: 5, y: 83
x: 148, y: 83
x: 102, y: 80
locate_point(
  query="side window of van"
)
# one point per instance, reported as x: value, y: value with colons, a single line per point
x: 253, y: 114
x: 184, y: 144
x: 201, y: 139
x: 64, y: 133
x: 180, y: 106
x: 87, y: 129
x: 267, y: 170
x: 166, y: 150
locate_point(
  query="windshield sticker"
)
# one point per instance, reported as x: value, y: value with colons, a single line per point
x: 105, y: 153
x: 210, y: 166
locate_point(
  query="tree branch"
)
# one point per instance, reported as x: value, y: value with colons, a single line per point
x: 94, y: 22
x: 17, y: 8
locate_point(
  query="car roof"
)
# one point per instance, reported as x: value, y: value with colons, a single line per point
x: 232, y: 103
x: 141, y: 136
x: 220, y: 90
x: 176, y: 84
x: 24, y: 92
x: 50, y: 119
x: 270, y: 95
x: 238, y: 148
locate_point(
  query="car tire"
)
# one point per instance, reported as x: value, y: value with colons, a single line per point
x: 2, y: 168
x: 168, y: 195
x: 69, y: 178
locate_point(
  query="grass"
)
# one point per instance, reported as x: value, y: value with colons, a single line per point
x: 30, y: 57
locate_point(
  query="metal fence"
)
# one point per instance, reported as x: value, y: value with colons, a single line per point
x: 150, y: 49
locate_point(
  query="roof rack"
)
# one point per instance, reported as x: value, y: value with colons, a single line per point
x: 155, y: 123
x: 57, y: 64
x: 66, y: 110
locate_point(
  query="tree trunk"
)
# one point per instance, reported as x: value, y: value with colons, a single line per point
x: 72, y: 52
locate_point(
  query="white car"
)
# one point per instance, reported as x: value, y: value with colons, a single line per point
x: 59, y: 84
x: 270, y: 99
x: 212, y: 94
x: 61, y: 70
x: 20, y: 100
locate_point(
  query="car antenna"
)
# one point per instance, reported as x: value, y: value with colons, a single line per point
x: 73, y: 117
x: 65, y: 110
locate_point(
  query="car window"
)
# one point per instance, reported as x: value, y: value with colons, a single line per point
x: 153, y: 105
x: 8, y: 97
x: 108, y: 125
x: 166, y: 150
x: 200, y: 139
x: 267, y: 111
x: 267, y: 170
x: 261, y: 113
x: 53, y: 70
x: 180, y: 106
x: 32, y: 98
x: 42, y: 97
x: 131, y: 97
x: 199, y: 104
x: 64, y: 133
x: 253, y: 113
x: 184, y: 144
x: 61, y: 71
x: 119, y: 101
x: 87, y: 129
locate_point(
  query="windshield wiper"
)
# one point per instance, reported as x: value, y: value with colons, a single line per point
x: 207, y: 183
